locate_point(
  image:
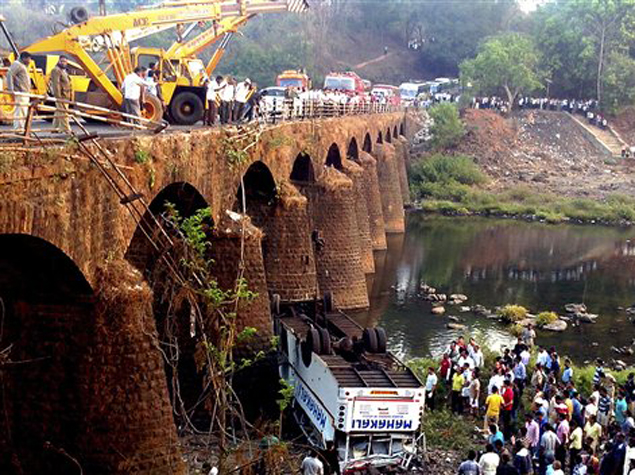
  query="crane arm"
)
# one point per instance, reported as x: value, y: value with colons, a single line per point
x: 207, y: 37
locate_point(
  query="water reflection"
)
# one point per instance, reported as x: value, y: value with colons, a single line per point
x: 499, y: 261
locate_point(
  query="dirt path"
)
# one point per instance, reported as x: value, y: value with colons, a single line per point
x: 379, y: 59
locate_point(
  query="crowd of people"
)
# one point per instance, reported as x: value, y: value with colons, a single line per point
x: 535, y: 419
x: 587, y: 108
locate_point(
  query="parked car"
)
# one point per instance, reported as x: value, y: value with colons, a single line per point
x: 272, y: 100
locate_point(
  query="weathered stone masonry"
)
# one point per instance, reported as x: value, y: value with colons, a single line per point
x: 74, y: 275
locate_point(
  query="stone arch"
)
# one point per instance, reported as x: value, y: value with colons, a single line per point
x: 260, y: 189
x: 171, y: 315
x: 302, y: 172
x: 380, y: 137
x: 402, y: 128
x: 48, y: 311
x: 333, y: 157
x: 368, y: 144
x: 395, y: 132
x: 353, y: 150
x: 388, y: 136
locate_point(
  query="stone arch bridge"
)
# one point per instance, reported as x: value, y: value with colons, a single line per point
x: 81, y: 379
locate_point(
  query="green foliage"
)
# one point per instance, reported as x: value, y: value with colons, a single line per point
x: 618, y: 82
x: 142, y: 156
x: 447, y: 128
x: 286, y: 393
x: 446, y: 170
x: 507, y: 64
x: 516, y: 330
x: 6, y: 161
x: 546, y: 318
x: 445, y: 431
x: 512, y: 313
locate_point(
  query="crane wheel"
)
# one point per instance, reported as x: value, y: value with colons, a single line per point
x: 78, y: 15
x: 186, y: 108
x: 369, y: 337
x: 152, y: 108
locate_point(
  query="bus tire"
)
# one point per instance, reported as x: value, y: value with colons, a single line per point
x: 275, y: 304
x: 328, y: 302
x: 369, y: 337
x: 382, y: 339
x: 325, y: 342
x: 186, y: 108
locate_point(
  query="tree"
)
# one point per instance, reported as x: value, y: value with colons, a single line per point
x: 618, y: 82
x: 447, y: 128
x: 506, y: 63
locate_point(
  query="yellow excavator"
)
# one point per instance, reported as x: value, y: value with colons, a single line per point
x: 181, y: 73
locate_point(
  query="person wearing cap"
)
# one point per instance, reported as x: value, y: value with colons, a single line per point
x: 62, y: 91
x: 242, y: 95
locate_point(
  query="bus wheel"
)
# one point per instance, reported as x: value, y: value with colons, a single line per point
x: 369, y: 337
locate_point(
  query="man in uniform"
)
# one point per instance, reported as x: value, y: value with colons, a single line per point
x: 61, y: 88
x: 19, y: 81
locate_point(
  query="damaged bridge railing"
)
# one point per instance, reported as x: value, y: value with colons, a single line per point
x: 28, y: 127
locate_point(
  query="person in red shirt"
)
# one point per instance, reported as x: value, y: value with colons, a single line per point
x: 444, y: 369
x: 508, y: 404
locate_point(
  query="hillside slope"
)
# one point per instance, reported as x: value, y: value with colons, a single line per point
x: 545, y: 151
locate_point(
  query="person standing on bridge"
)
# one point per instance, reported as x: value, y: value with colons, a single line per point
x: 62, y: 91
x: 242, y: 94
x: 227, y: 101
x: 133, y: 92
x: 18, y: 81
x: 214, y: 88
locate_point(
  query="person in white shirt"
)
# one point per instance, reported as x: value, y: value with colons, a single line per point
x: 227, y: 102
x: 465, y: 359
x: 312, y: 465
x: 214, y: 88
x: 489, y: 461
x: 431, y: 387
x: 243, y: 90
x: 133, y: 89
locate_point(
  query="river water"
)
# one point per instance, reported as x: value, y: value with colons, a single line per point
x: 495, y: 262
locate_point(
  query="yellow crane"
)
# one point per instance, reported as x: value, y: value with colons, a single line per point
x: 181, y: 72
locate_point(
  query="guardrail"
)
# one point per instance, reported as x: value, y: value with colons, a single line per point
x: 42, y: 107
x: 293, y: 109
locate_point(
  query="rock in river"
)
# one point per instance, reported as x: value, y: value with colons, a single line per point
x: 456, y: 326
x: 438, y: 310
x: 575, y: 308
x: 557, y: 326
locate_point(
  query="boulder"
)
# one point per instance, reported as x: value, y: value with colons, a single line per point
x: 456, y: 326
x: 586, y: 317
x: 557, y: 326
x: 464, y: 309
x: 452, y: 318
x: 631, y: 310
x: 438, y: 310
x: 457, y: 299
x: 575, y: 308
x: 525, y: 322
x: 426, y: 289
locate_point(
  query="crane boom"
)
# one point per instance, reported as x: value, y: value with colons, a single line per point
x: 113, y: 33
